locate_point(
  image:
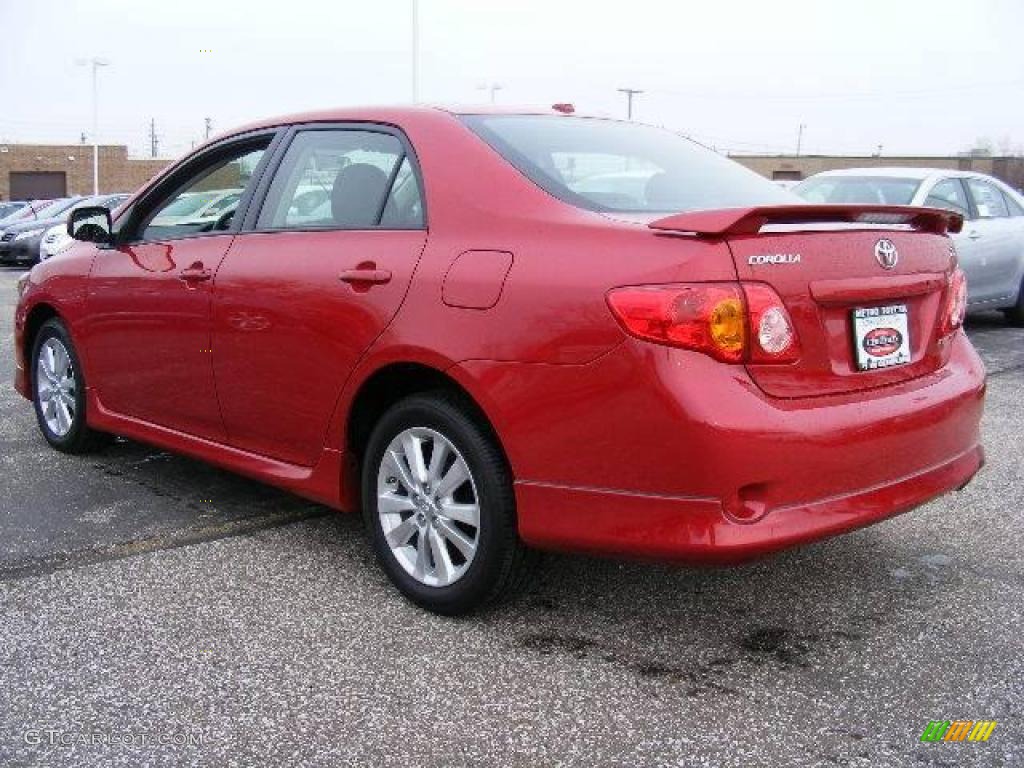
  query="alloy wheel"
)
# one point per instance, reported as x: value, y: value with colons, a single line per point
x: 56, y: 387
x: 428, y: 506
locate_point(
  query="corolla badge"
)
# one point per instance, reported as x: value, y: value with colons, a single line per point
x: 774, y: 258
x: 886, y: 254
x: 880, y: 342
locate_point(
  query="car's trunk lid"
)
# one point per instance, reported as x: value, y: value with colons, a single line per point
x: 826, y: 262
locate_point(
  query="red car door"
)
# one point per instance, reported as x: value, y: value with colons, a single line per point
x: 148, y: 338
x: 300, y: 297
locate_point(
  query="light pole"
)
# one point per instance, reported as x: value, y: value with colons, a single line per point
x: 630, y: 93
x: 415, y: 51
x: 492, y: 87
x: 96, y: 63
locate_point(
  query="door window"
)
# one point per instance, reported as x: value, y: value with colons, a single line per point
x: 343, y: 179
x: 206, y: 201
x: 950, y: 195
x: 987, y: 199
x: 1014, y: 207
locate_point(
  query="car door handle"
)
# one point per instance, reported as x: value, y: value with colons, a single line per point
x: 197, y: 273
x: 365, y: 276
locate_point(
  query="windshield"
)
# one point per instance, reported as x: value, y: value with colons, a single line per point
x: 55, y: 208
x: 189, y: 203
x: 607, y: 165
x: 884, y: 190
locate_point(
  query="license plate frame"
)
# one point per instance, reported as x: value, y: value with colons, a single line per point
x: 881, y: 336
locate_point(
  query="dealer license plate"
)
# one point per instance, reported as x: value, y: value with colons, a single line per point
x: 881, y: 337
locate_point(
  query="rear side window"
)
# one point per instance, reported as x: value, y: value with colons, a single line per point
x: 987, y: 199
x: 343, y: 179
x: 859, y: 190
x: 606, y: 165
x: 949, y: 194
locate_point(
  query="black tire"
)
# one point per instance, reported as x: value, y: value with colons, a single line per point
x: 1015, y: 314
x: 501, y: 562
x: 79, y: 438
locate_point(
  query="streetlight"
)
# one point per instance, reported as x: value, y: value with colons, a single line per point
x: 96, y: 63
x: 492, y: 87
x: 630, y: 93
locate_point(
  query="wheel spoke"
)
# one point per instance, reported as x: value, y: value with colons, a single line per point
x: 458, y: 538
x: 399, y: 535
x: 412, y: 445
x: 49, y: 360
x: 437, y: 458
x: 456, y: 476
x: 60, y: 360
x: 63, y: 417
x: 391, y: 503
x: 393, y: 460
x: 419, y: 570
x: 443, y: 566
x: 463, y: 513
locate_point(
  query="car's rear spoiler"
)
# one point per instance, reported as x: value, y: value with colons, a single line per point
x: 726, y: 222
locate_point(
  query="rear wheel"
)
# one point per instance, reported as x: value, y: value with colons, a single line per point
x: 58, y: 391
x: 1015, y: 314
x: 439, y: 507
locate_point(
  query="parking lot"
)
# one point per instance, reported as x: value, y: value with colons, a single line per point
x: 156, y: 611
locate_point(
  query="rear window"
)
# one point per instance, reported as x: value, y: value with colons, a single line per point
x: 868, y: 190
x: 612, y: 166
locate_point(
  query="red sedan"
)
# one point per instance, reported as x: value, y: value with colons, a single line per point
x: 497, y: 332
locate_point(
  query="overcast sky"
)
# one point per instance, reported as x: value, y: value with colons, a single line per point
x: 917, y: 77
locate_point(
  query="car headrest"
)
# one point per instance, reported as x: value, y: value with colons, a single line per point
x: 358, y: 192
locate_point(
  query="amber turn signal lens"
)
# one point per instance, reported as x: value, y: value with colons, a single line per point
x: 728, y: 325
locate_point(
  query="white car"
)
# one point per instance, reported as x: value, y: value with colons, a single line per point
x: 56, y: 238
x: 990, y: 247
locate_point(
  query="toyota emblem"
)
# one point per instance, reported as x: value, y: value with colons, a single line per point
x: 886, y: 254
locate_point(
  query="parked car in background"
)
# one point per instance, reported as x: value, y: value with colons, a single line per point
x: 990, y: 247
x: 29, y: 209
x: 56, y: 238
x: 19, y: 241
x: 9, y: 209
x: 487, y: 356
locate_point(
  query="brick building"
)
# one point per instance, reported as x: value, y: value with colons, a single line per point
x: 46, y: 170
x: 1008, y: 169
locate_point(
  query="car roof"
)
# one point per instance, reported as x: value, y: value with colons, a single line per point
x: 401, y: 113
x: 902, y: 172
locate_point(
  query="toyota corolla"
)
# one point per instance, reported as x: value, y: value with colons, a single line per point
x: 506, y: 332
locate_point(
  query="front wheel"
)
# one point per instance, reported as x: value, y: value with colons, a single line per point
x: 58, y: 391
x: 439, y: 507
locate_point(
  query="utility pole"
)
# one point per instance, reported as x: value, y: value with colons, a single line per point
x: 630, y: 93
x: 800, y: 138
x: 415, y: 51
x: 154, y: 141
x: 492, y: 87
x: 96, y: 64
x: 209, y: 125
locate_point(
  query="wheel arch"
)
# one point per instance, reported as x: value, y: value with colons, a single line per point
x: 34, y: 320
x: 384, y: 387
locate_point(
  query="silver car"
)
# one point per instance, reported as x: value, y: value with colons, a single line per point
x: 991, y: 245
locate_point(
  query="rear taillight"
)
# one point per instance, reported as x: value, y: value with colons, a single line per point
x: 773, y: 336
x: 956, y: 302
x: 730, y: 322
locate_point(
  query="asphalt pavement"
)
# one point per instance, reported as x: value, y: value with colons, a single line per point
x: 156, y: 611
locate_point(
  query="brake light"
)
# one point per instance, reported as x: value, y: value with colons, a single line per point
x: 956, y: 302
x: 730, y: 322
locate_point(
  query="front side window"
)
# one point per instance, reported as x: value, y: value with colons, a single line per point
x: 343, y: 179
x: 988, y: 200
x: 606, y: 165
x: 949, y: 194
x: 206, y: 202
x: 859, y: 190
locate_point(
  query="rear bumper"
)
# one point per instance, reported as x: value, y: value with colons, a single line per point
x: 698, y: 531
x: 668, y: 454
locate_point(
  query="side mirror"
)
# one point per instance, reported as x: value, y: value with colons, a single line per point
x: 91, y: 224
